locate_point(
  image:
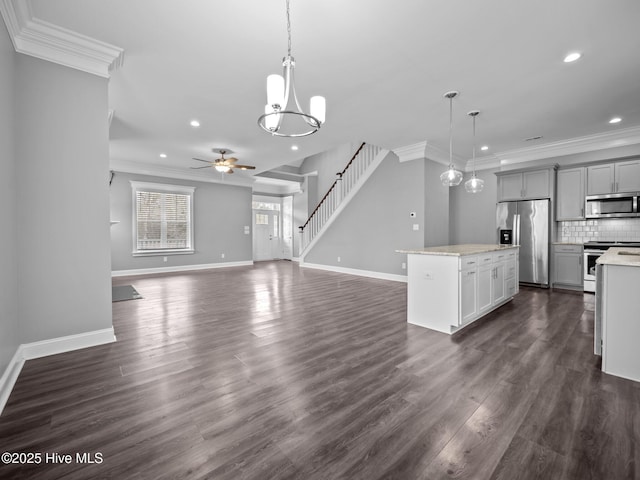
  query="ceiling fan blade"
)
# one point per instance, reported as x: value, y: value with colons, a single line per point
x: 231, y: 160
x: 230, y: 171
x: 200, y: 160
x: 244, y: 167
x: 198, y: 168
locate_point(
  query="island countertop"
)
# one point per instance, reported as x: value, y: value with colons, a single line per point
x: 629, y: 257
x: 459, y: 250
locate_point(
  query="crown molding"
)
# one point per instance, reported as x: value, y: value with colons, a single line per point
x: 407, y: 153
x: 600, y: 141
x: 150, y: 169
x: 44, y: 40
x: 420, y: 150
x: 255, y: 183
x: 571, y: 146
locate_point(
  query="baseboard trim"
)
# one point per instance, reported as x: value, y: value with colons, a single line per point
x: 179, y: 268
x: 10, y: 376
x: 355, y: 271
x: 44, y: 348
x: 69, y: 343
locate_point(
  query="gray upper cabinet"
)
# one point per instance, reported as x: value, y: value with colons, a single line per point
x: 524, y: 185
x: 628, y: 176
x: 570, y: 194
x: 615, y: 177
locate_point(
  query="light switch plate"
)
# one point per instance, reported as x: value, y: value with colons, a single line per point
x: 416, y: 226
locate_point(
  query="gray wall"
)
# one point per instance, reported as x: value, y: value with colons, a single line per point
x: 62, y: 153
x: 436, y: 206
x: 220, y: 215
x: 377, y: 222
x: 473, y: 215
x: 9, y: 337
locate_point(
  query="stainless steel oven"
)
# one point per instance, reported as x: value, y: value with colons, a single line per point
x: 589, y: 266
x: 592, y: 251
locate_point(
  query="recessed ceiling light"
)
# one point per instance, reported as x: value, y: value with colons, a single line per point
x: 484, y: 147
x: 615, y: 120
x: 163, y: 155
x: 572, y: 57
x: 294, y: 147
x: 194, y: 123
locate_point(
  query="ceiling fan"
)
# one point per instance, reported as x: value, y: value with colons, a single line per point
x: 223, y: 165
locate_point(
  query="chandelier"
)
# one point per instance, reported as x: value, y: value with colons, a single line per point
x: 474, y: 184
x: 280, y: 120
x: 452, y: 177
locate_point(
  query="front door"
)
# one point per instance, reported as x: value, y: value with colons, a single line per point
x: 266, y: 235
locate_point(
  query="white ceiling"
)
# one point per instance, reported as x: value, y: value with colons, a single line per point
x: 382, y: 65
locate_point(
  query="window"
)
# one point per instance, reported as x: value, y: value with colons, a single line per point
x: 162, y: 219
x: 262, y: 219
x: 265, y: 206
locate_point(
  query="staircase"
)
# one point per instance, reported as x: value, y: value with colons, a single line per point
x: 348, y: 182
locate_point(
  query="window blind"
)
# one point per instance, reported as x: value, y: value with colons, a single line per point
x: 163, y: 221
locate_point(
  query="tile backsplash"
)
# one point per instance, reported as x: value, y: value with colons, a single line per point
x: 609, y: 229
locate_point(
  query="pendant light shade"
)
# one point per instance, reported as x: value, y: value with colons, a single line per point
x: 474, y: 184
x: 452, y: 177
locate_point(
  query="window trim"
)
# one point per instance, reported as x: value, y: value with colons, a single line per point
x: 137, y: 186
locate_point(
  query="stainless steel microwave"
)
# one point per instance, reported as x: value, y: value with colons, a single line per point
x: 612, y: 205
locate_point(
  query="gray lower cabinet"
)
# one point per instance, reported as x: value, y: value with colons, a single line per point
x: 567, y: 265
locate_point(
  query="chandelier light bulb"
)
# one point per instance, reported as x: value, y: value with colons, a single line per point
x: 318, y: 108
x: 270, y: 121
x: 275, y: 90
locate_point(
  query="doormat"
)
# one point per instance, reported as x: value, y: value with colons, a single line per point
x: 120, y: 293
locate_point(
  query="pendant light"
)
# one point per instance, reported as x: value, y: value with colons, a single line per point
x: 474, y: 184
x: 452, y: 177
x: 277, y: 119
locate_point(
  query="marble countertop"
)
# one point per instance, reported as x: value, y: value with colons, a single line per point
x: 615, y: 256
x: 458, y: 250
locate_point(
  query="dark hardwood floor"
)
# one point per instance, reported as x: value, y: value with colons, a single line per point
x: 277, y: 372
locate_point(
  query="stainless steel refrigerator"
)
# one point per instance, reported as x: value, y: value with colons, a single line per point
x: 526, y: 223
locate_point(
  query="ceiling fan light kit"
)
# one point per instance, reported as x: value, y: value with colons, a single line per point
x: 223, y: 165
x: 278, y: 119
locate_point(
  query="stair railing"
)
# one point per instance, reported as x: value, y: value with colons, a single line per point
x: 344, y: 182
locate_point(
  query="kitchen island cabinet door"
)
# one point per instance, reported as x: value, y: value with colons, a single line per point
x: 485, y: 301
x: 468, y: 296
x: 498, y: 294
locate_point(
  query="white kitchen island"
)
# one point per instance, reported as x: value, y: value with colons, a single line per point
x: 617, y: 325
x: 451, y: 286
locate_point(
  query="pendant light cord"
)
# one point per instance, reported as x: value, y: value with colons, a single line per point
x: 474, y: 146
x: 288, y: 31
x: 450, y: 131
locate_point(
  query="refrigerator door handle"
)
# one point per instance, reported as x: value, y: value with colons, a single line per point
x: 516, y: 229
